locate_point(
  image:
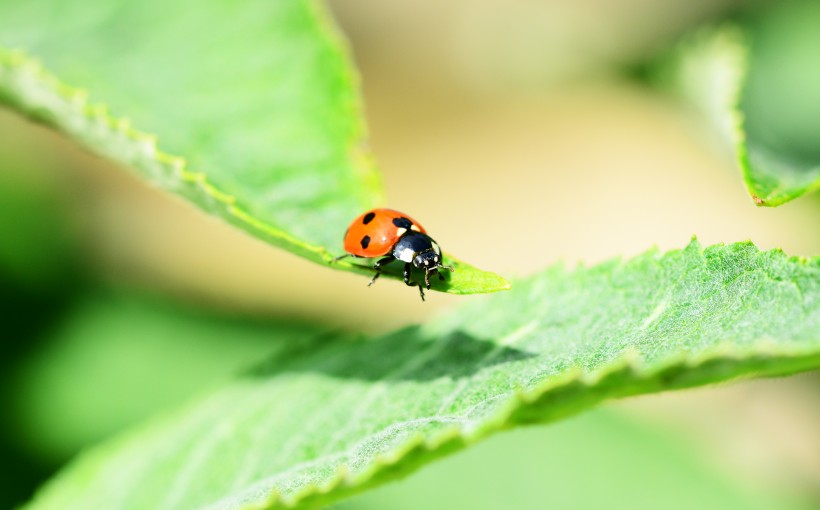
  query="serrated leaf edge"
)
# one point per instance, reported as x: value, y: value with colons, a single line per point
x: 552, y: 400
x: 170, y: 172
x: 145, y: 145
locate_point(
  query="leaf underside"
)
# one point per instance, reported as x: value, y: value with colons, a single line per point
x: 250, y: 111
x: 760, y: 83
x: 780, y: 104
x: 320, y: 420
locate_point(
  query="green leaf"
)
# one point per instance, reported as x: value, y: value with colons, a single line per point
x: 780, y: 104
x: 249, y: 110
x: 90, y: 380
x: 760, y: 83
x: 40, y: 253
x: 319, y: 421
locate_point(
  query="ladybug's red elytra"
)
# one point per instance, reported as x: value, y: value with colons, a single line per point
x: 393, y: 235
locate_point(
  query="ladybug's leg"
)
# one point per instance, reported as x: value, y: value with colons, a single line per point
x: 407, y: 269
x: 340, y: 257
x: 440, y: 275
x: 378, y: 267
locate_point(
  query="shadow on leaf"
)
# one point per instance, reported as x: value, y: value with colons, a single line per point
x: 407, y: 354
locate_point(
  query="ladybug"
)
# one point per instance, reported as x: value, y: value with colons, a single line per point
x: 393, y: 235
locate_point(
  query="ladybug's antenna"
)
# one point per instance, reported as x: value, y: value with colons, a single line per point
x: 427, y: 272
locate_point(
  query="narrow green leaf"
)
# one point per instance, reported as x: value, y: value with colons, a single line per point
x: 319, y: 421
x: 464, y: 279
x: 760, y: 83
x: 249, y: 110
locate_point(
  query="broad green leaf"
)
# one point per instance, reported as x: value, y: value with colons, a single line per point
x: 249, y: 109
x: 601, y: 459
x: 320, y: 420
x: 760, y: 83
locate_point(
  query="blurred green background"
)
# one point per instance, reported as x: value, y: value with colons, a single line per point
x: 519, y: 113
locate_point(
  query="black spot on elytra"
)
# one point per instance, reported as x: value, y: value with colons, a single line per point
x: 365, y: 242
x: 402, y: 223
x: 368, y: 217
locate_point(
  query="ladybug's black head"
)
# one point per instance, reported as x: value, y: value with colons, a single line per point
x: 428, y: 260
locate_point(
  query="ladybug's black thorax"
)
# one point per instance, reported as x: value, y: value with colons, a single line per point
x: 416, y: 247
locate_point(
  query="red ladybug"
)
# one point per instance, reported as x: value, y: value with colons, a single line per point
x: 392, y: 235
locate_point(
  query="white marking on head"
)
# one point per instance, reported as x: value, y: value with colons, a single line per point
x: 436, y: 247
x: 400, y: 232
x: 415, y: 227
